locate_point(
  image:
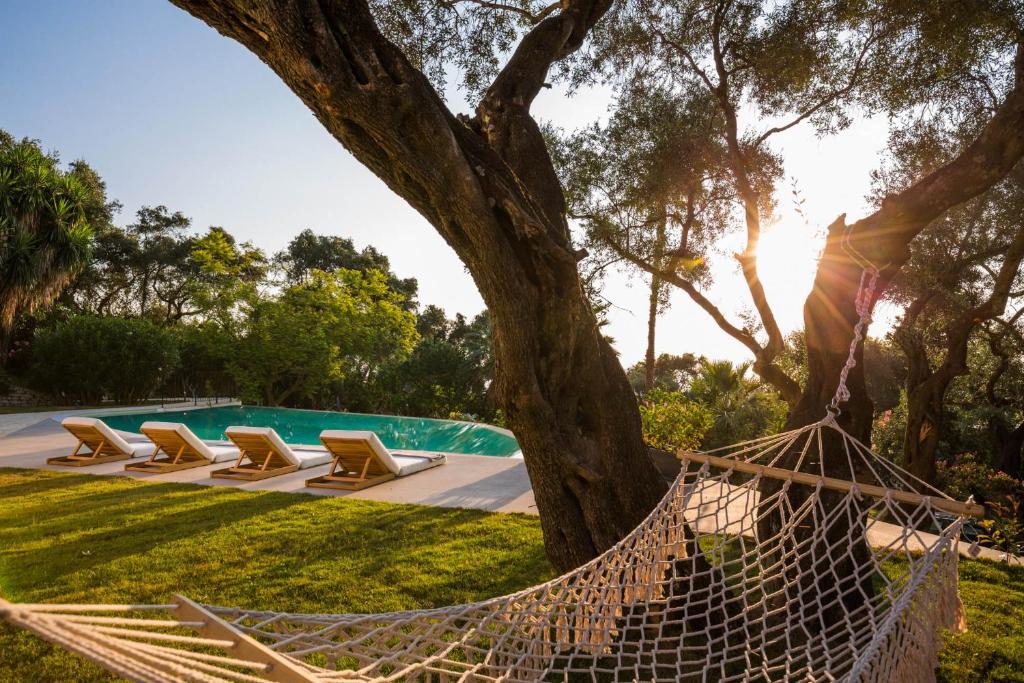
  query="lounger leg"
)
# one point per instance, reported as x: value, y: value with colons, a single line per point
x: 152, y: 458
x: 266, y: 461
x: 178, y: 456
x: 98, y: 455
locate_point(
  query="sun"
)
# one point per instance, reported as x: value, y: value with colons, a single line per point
x: 788, y: 255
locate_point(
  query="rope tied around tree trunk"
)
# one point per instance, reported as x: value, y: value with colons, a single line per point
x: 864, y: 303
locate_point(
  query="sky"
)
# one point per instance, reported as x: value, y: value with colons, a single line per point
x: 170, y: 112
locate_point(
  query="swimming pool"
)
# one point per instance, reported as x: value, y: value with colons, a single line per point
x: 304, y: 427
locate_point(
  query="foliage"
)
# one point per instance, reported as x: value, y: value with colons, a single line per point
x: 966, y: 476
x: 207, y: 349
x: 888, y: 431
x: 45, y: 229
x: 336, y: 328
x: 1004, y: 531
x: 309, y: 252
x: 671, y: 373
x: 87, y: 358
x: 672, y: 421
x: 449, y: 371
x: 158, y: 269
x: 64, y: 539
x: 1003, y: 495
x: 743, y: 408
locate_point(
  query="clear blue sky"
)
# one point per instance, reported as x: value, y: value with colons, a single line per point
x: 169, y: 112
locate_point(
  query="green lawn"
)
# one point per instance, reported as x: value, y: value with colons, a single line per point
x: 65, y: 537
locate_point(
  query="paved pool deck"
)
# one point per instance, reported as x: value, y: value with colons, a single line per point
x: 466, y: 481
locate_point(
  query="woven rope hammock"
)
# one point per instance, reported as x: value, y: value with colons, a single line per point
x: 755, y: 566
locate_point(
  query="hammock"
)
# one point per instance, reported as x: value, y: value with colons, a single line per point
x: 747, y: 608
x: 755, y: 566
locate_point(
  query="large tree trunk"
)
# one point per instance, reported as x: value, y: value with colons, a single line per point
x: 830, y: 315
x: 489, y: 188
x: 829, y: 319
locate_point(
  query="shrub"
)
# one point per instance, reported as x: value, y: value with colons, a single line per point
x: 671, y: 420
x: 88, y: 358
x: 967, y: 476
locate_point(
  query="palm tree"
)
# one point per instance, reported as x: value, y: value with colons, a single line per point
x: 743, y: 407
x: 45, y: 237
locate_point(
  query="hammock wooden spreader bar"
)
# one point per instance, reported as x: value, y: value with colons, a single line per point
x: 952, y: 506
x: 125, y: 645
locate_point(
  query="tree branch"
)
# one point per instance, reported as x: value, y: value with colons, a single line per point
x: 763, y: 362
x: 521, y: 11
x: 826, y: 100
x: 884, y: 236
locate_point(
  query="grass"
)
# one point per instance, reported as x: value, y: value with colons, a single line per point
x: 63, y: 538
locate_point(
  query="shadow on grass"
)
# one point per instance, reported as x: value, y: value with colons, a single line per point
x: 28, y: 482
x: 79, y: 535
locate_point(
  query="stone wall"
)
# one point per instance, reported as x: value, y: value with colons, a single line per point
x: 20, y: 397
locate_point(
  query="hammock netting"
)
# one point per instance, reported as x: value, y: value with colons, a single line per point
x: 755, y: 566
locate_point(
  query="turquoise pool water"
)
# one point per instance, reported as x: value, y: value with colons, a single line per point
x: 304, y: 427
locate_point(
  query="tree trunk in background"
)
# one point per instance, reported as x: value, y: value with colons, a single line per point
x: 488, y: 186
x: 926, y: 389
x: 652, y: 324
x: 1011, y: 448
x: 925, y: 423
x: 650, y: 359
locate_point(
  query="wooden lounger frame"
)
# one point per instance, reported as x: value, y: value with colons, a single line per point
x: 264, y: 461
x: 98, y: 445
x: 183, y: 457
x: 355, y: 466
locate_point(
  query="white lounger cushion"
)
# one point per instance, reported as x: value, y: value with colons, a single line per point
x: 303, y: 457
x: 410, y: 464
x: 114, y: 439
x: 399, y: 465
x: 213, y: 453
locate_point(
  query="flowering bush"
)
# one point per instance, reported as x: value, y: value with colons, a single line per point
x: 1003, y: 528
x: 967, y: 476
x: 671, y: 420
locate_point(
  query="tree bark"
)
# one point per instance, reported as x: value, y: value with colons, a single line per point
x: 652, y: 324
x: 650, y: 358
x: 489, y: 188
x: 926, y: 388
x: 830, y: 314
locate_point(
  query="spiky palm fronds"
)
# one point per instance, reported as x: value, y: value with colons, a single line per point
x: 45, y: 237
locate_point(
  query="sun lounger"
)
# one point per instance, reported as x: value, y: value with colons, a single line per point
x: 360, y: 460
x: 263, y: 454
x: 103, y: 444
x: 177, y: 448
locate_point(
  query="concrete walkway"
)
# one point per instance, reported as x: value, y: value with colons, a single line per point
x: 14, y: 422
